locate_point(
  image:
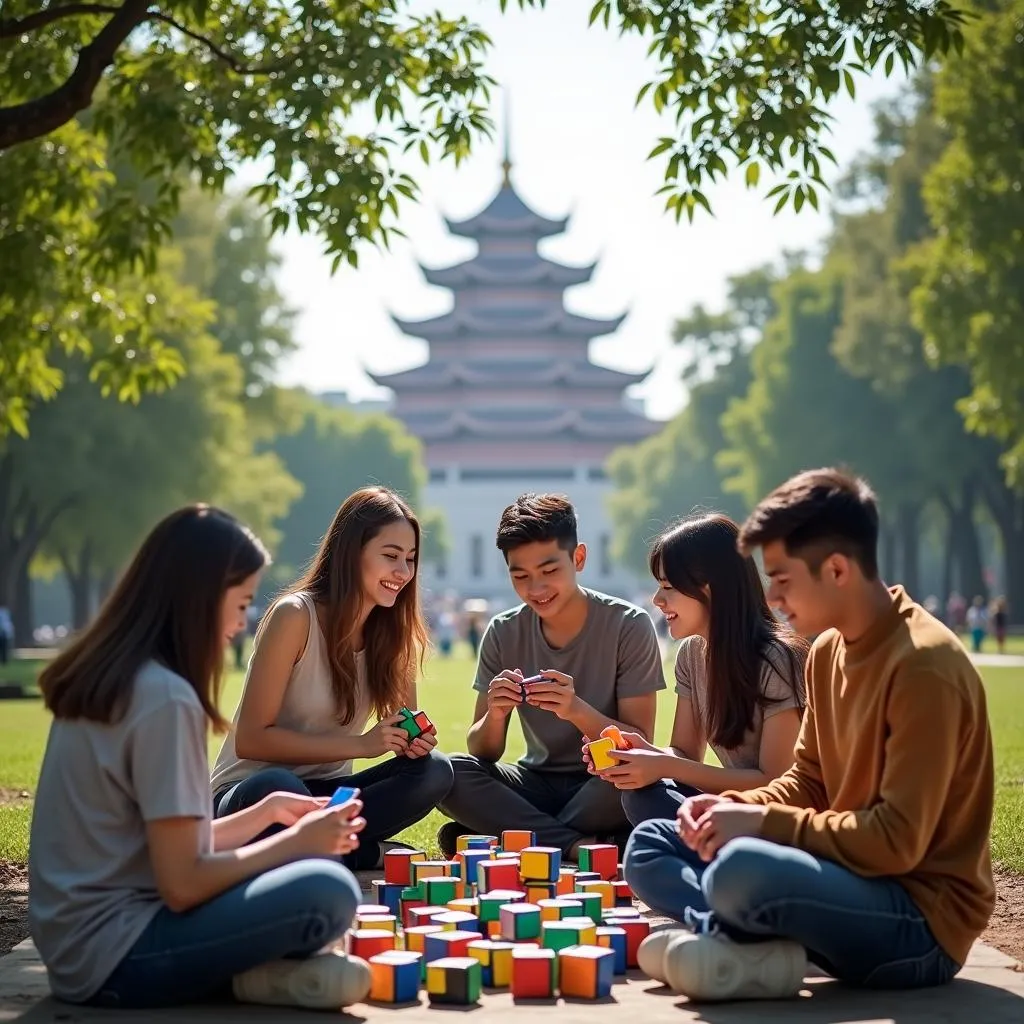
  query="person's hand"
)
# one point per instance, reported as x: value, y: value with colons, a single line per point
x: 691, y: 810
x: 423, y: 744
x: 588, y: 761
x: 554, y: 693
x: 331, y: 831
x: 385, y: 736
x: 504, y: 692
x: 725, y: 821
x: 636, y: 768
x: 284, y: 808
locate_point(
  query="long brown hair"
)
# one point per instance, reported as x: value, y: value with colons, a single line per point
x: 394, y: 639
x: 743, y: 636
x: 167, y: 607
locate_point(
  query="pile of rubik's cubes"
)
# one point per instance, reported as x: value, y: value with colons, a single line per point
x: 504, y: 914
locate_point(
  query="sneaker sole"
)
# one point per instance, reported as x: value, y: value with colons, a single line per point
x: 326, y: 981
x: 650, y: 957
x: 710, y: 968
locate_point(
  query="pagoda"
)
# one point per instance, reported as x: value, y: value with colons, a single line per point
x: 509, y: 400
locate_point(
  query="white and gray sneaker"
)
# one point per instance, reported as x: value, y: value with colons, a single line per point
x: 325, y: 981
x: 713, y: 968
x: 650, y: 957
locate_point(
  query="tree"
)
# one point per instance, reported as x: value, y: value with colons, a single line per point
x: 332, y: 454
x: 969, y: 302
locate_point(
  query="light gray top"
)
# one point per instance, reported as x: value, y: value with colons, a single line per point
x: 92, y: 890
x: 776, y: 683
x: 308, y: 706
x: 614, y: 655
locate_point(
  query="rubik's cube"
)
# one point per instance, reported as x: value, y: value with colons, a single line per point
x: 536, y: 892
x: 592, y: 905
x: 475, y: 843
x: 519, y: 921
x: 602, y: 858
x: 425, y: 914
x: 388, y: 894
x: 586, y: 972
x: 600, y: 751
x: 556, y: 909
x: 422, y: 869
x: 585, y: 876
x: 381, y: 922
x: 395, y: 976
x: 540, y: 864
x: 439, y: 891
x: 496, y: 874
x: 566, y: 884
x: 415, y: 723
x: 447, y: 944
x: 495, y: 962
x: 458, y: 921
x: 558, y: 935
x: 603, y: 889
x: 490, y: 903
x: 454, y: 979
x: 367, y: 942
x: 398, y: 865
x: 415, y: 942
x: 585, y: 929
x: 534, y: 972
x: 623, y: 893
x: 467, y: 861
x: 467, y: 904
x: 517, y: 839
x: 410, y: 900
x: 637, y: 929
x: 614, y: 938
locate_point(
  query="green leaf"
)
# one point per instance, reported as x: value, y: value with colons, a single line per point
x: 753, y: 174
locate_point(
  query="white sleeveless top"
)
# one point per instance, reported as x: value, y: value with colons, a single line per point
x: 308, y: 706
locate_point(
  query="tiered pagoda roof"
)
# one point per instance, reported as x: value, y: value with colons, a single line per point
x: 509, y: 361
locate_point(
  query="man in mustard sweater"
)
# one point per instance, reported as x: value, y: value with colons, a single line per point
x: 870, y: 855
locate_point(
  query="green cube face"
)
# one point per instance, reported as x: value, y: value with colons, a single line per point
x: 591, y: 905
x: 558, y: 935
x: 409, y: 724
x: 440, y: 891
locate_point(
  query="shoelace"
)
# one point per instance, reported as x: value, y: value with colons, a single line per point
x: 700, y: 922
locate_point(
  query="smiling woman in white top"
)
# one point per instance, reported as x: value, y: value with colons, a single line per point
x: 345, y: 643
x: 136, y: 899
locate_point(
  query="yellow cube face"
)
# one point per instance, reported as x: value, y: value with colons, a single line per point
x: 600, y: 753
x: 435, y: 980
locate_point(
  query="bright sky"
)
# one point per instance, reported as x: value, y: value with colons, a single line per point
x: 579, y: 148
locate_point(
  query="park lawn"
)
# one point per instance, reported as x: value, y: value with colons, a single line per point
x: 446, y: 696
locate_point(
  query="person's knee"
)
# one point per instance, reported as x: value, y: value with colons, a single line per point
x: 259, y: 785
x: 634, y: 805
x: 738, y: 879
x: 331, y: 893
x: 435, y: 776
x: 649, y: 841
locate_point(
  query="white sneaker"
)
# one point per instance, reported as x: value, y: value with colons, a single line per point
x: 714, y: 968
x: 324, y: 981
x: 650, y: 957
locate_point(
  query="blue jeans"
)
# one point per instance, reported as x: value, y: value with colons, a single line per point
x: 290, y: 911
x: 865, y: 931
x: 660, y: 800
x: 396, y: 793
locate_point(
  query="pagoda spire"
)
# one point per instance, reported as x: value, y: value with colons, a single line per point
x: 506, y: 157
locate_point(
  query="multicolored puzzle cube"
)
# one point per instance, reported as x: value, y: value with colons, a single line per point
x: 566, y: 881
x: 517, y: 839
x: 384, y: 922
x: 623, y: 893
x: 592, y: 905
x: 512, y: 855
x: 540, y: 864
x: 586, y: 972
x: 496, y: 874
x: 395, y: 976
x: 366, y: 942
x: 414, y: 723
x: 423, y: 869
x: 637, y: 929
x: 470, y: 842
x: 411, y: 898
x: 490, y: 903
x: 495, y: 962
x: 454, y: 979
x: 556, y: 909
x: 586, y: 930
x: 459, y: 921
x: 398, y: 865
x: 427, y: 914
x: 558, y: 935
x: 441, y: 891
x: 602, y: 858
x: 603, y: 889
x: 534, y: 972
x: 614, y: 938
x: 415, y: 942
x: 467, y: 904
x: 372, y: 909
x: 537, y: 891
x: 447, y: 944
x: 586, y: 876
x: 519, y: 921
x: 600, y: 751
x: 467, y: 861
x: 388, y: 894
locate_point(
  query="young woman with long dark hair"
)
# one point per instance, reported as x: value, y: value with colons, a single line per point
x: 343, y: 645
x: 739, y: 676
x: 136, y: 898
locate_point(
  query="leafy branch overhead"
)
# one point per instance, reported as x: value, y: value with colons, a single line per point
x: 747, y: 83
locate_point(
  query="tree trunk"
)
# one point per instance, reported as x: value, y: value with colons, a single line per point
x: 963, y: 539
x: 78, y: 573
x: 21, y: 608
x: 948, y: 554
x: 909, y: 515
x: 1007, y: 510
x: 104, y: 585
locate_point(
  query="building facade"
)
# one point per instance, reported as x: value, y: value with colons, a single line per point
x: 509, y: 400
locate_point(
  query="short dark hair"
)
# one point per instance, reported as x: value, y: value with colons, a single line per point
x: 815, y: 514
x: 537, y: 517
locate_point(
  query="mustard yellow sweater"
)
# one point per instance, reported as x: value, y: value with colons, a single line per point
x: 893, y: 773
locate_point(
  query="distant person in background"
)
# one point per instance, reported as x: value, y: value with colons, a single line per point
x: 956, y: 611
x: 6, y: 634
x: 473, y: 633
x: 977, y: 623
x: 1000, y: 620
x: 446, y: 632
x: 344, y: 645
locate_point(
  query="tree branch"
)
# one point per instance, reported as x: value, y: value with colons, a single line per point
x: 36, y: 118
x: 218, y: 52
x: 12, y: 27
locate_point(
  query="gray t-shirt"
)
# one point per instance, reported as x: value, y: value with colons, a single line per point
x: 777, y: 683
x: 92, y: 890
x: 614, y: 655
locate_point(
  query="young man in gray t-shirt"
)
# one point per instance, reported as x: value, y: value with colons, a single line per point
x: 601, y: 665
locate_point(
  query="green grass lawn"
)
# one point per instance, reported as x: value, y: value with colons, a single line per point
x: 446, y: 696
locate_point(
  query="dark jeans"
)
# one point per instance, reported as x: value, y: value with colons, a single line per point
x: 866, y: 931
x: 660, y: 800
x: 290, y: 911
x: 396, y: 793
x: 561, y: 807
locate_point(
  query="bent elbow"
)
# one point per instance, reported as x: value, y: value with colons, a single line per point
x: 248, y: 745
x: 178, y: 898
